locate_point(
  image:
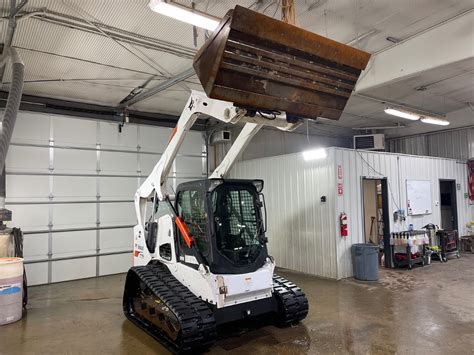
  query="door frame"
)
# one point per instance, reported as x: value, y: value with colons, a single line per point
x: 454, y: 198
x: 385, y: 215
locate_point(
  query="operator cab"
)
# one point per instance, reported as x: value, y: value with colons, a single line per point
x: 226, y: 221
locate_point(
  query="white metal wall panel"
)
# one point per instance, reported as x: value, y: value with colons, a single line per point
x: 456, y: 144
x: 470, y: 142
x: 300, y: 227
x: 69, y: 178
x: 304, y: 232
x: 397, y: 169
x: 272, y: 142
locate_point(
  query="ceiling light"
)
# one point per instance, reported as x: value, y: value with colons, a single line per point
x: 434, y: 120
x: 315, y: 154
x: 402, y: 113
x: 183, y: 13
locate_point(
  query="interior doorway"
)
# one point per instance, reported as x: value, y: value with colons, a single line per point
x: 376, y: 216
x: 448, y: 205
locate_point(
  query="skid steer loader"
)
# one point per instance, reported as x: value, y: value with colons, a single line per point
x: 201, y: 260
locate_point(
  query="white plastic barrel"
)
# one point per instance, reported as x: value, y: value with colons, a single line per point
x: 11, y: 287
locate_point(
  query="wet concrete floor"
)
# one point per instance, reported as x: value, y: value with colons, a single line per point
x: 427, y: 310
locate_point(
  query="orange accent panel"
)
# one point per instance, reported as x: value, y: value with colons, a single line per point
x: 184, y: 231
x: 135, y: 253
x: 173, y: 133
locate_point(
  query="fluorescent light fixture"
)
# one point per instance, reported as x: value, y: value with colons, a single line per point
x: 434, y: 120
x: 183, y: 13
x: 402, y: 113
x: 315, y: 154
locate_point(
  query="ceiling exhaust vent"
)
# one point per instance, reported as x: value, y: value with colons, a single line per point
x: 221, y: 137
x: 370, y: 142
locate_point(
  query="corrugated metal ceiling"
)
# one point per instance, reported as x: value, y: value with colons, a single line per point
x: 95, y: 68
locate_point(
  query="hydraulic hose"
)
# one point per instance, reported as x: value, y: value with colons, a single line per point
x: 12, y: 106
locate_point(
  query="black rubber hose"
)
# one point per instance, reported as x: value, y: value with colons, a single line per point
x: 12, y: 106
x: 18, y: 242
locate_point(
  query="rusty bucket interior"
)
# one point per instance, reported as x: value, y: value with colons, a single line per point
x: 261, y: 63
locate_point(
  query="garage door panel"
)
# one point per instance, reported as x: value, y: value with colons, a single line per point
x: 148, y: 162
x: 154, y: 139
x: 75, y: 161
x: 118, y: 163
x: 74, y: 131
x: 74, y: 243
x: 124, y: 188
x: 21, y: 158
x: 70, y: 186
x: 75, y: 196
x: 115, y: 264
x: 30, y: 217
x: 186, y: 166
x: 110, y: 137
x: 73, y: 269
x: 27, y: 187
x: 31, y: 128
x: 71, y: 216
x: 37, y: 273
x: 116, y: 239
x: 117, y: 214
x: 35, y: 246
x: 192, y: 144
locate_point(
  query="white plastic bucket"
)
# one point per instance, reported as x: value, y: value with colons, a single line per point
x: 11, y: 290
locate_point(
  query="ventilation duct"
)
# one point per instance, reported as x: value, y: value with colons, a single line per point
x: 11, y: 110
x: 12, y: 106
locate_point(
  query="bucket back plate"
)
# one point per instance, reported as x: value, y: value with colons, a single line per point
x: 261, y: 63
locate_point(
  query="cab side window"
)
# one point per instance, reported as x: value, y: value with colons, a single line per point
x: 192, y: 209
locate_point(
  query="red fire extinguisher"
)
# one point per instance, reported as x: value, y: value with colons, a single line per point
x: 343, y: 223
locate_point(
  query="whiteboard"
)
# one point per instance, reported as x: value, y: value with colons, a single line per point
x: 419, y: 199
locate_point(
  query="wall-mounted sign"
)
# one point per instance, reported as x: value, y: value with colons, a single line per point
x: 340, y: 190
x: 339, y: 172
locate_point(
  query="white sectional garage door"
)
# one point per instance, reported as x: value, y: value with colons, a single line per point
x: 70, y: 186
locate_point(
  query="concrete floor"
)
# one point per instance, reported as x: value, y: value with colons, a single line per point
x: 426, y: 310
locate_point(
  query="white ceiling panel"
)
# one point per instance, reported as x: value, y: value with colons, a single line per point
x: 71, y: 64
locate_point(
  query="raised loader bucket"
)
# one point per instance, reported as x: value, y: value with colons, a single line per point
x: 261, y: 63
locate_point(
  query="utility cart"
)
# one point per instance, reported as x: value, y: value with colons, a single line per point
x: 408, y: 248
x: 449, y: 242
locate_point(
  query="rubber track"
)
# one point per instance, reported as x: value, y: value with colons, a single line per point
x: 292, y: 302
x: 197, y: 319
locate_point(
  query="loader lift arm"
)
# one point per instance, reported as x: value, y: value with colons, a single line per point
x: 199, y: 104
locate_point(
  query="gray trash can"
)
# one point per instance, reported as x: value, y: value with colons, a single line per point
x: 365, y: 258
